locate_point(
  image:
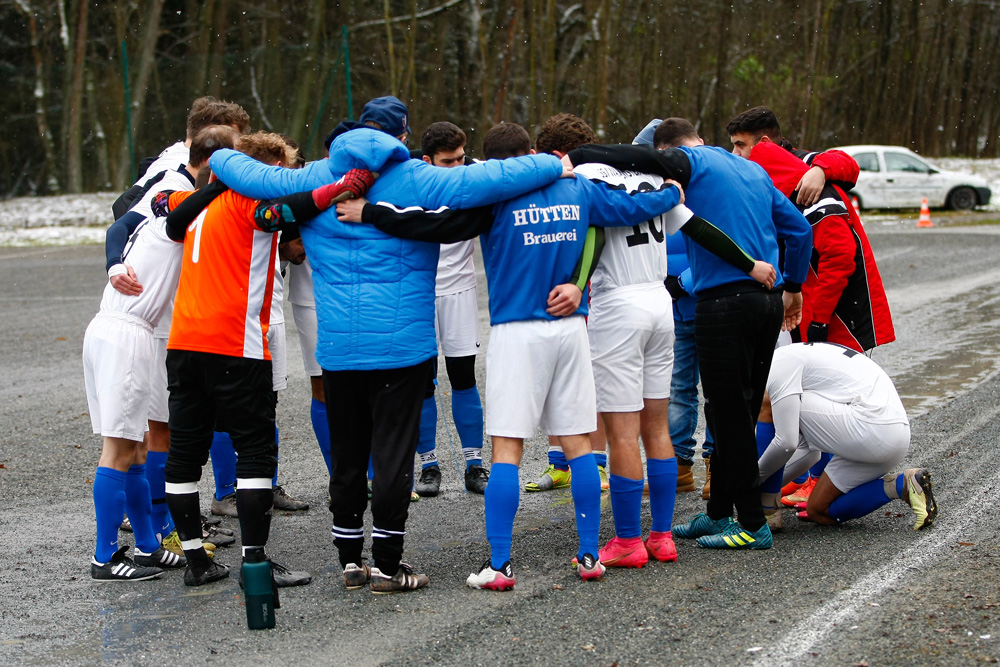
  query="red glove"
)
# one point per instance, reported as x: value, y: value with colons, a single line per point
x: 354, y: 183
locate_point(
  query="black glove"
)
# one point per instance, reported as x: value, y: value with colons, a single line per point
x: 673, y: 285
x: 816, y: 333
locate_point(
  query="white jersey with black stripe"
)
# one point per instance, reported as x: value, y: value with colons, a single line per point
x: 157, y: 263
x: 632, y: 255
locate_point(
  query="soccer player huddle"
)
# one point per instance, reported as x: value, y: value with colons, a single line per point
x: 596, y: 338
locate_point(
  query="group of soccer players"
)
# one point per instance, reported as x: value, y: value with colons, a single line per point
x: 582, y: 302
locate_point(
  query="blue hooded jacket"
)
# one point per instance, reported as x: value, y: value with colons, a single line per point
x: 374, y: 292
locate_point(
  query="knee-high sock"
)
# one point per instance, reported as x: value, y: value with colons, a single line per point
x: 860, y: 501
x: 274, y: 481
x: 467, y: 411
x: 254, y: 499
x: 557, y: 458
x: 321, y: 428
x: 223, y: 464
x: 428, y: 432
x: 586, y: 490
x: 820, y: 465
x: 601, y: 458
x: 109, y: 506
x: 765, y: 434
x: 626, y: 505
x: 183, y: 501
x: 503, y: 495
x: 662, y: 474
x: 160, y: 516
x: 139, y: 507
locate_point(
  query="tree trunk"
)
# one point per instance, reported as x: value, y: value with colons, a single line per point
x: 144, y: 61
x: 74, y: 158
x: 48, y: 144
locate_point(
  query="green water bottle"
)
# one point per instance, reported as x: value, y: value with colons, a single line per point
x: 258, y: 590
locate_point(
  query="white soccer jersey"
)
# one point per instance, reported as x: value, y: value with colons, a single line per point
x: 456, y: 272
x: 840, y: 375
x: 172, y: 157
x: 157, y: 262
x: 173, y: 179
x: 277, y: 297
x: 632, y: 255
x: 300, y: 284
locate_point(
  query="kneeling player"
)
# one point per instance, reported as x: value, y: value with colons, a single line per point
x: 828, y: 398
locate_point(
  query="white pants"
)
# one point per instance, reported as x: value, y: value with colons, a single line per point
x: 117, y: 360
x: 631, y: 333
x: 456, y: 321
x: 538, y: 373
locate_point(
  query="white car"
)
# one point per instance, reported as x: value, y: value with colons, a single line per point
x: 896, y: 177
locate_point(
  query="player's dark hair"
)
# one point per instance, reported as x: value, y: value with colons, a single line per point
x: 209, y: 111
x: 757, y: 122
x: 441, y: 137
x: 564, y: 132
x: 672, y: 132
x: 506, y: 140
x: 209, y: 140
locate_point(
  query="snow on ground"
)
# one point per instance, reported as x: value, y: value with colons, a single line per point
x: 62, y: 220
x: 83, y: 219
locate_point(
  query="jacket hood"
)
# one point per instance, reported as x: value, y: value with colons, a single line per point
x: 785, y: 169
x: 365, y: 148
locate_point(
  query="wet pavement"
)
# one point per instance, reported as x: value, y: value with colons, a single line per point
x: 871, y: 591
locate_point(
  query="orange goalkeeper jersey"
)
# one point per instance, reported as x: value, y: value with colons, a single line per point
x: 223, y: 300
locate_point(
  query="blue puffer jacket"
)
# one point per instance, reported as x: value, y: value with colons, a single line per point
x: 375, y: 293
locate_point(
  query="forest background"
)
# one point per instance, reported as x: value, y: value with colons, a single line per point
x: 90, y: 87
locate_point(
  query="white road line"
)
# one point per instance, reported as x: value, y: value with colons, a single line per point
x: 814, y: 629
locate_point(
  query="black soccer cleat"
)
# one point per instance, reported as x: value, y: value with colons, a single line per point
x: 122, y: 568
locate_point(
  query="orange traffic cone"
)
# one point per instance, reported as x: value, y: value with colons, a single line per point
x: 925, y: 214
x: 854, y: 203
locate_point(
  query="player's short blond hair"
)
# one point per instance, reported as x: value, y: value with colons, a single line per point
x: 266, y: 147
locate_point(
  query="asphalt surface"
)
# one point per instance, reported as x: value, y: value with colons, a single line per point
x: 869, y: 592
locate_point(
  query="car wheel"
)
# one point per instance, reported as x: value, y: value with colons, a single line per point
x: 962, y: 199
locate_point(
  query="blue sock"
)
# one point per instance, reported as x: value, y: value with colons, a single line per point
x: 503, y: 495
x: 223, y: 464
x: 586, y: 490
x: 801, y: 479
x: 139, y: 507
x: 557, y: 458
x: 626, y: 505
x: 109, y: 506
x: 900, y: 485
x: 818, y: 468
x: 160, y: 515
x: 662, y: 474
x: 428, y: 433
x: 371, y: 470
x: 317, y: 411
x: 601, y: 458
x: 860, y: 501
x: 765, y: 434
x: 467, y: 411
x: 274, y: 482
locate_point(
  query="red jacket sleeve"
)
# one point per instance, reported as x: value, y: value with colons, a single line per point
x: 837, y: 251
x: 838, y: 166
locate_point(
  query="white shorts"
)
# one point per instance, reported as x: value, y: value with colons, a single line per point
x: 631, y: 331
x: 117, y: 354
x: 158, y: 393
x: 862, y: 451
x: 538, y: 373
x: 456, y: 323
x: 305, y: 322
x: 278, y: 348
